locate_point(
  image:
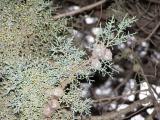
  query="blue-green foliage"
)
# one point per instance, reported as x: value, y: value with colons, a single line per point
x: 113, y: 34
x: 77, y: 104
x: 37, y: 54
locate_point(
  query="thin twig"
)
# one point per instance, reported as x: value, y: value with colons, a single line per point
x: 156, y: 105
x: 118, y: 97
x: 118, y: 115
x: 88, y: 7
x: 144, y: 25
x: 154, y: 30
x: 154, y: 1
x: 100, y: 16
x: 135, y: 113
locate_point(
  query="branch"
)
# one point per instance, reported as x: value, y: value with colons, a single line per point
x: 154, y: 30
x: 119, y: 114
x: 88, y: 7
x: 118, y: 97
x: 154, y: 1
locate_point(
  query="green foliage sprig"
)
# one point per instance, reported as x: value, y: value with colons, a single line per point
x: 114, y: 33
x: 38, y: 54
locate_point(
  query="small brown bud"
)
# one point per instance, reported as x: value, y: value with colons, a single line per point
x: 107, y: 55
x: 58, y: 92
x: 95, y: 63
x: 47, y: 111
x: 54, y: 104
x: 136, y: 67
x: 101, y: 52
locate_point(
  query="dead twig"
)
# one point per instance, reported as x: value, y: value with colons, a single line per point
x: 118, y: 97
x: 153, y: 31
x: 154, y: 1
x: 154, y: 100
x: 135, y: 113
x: 156, y: 105
x: 119, y: 114
x: 144, y: 25
x: 88, y: 7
